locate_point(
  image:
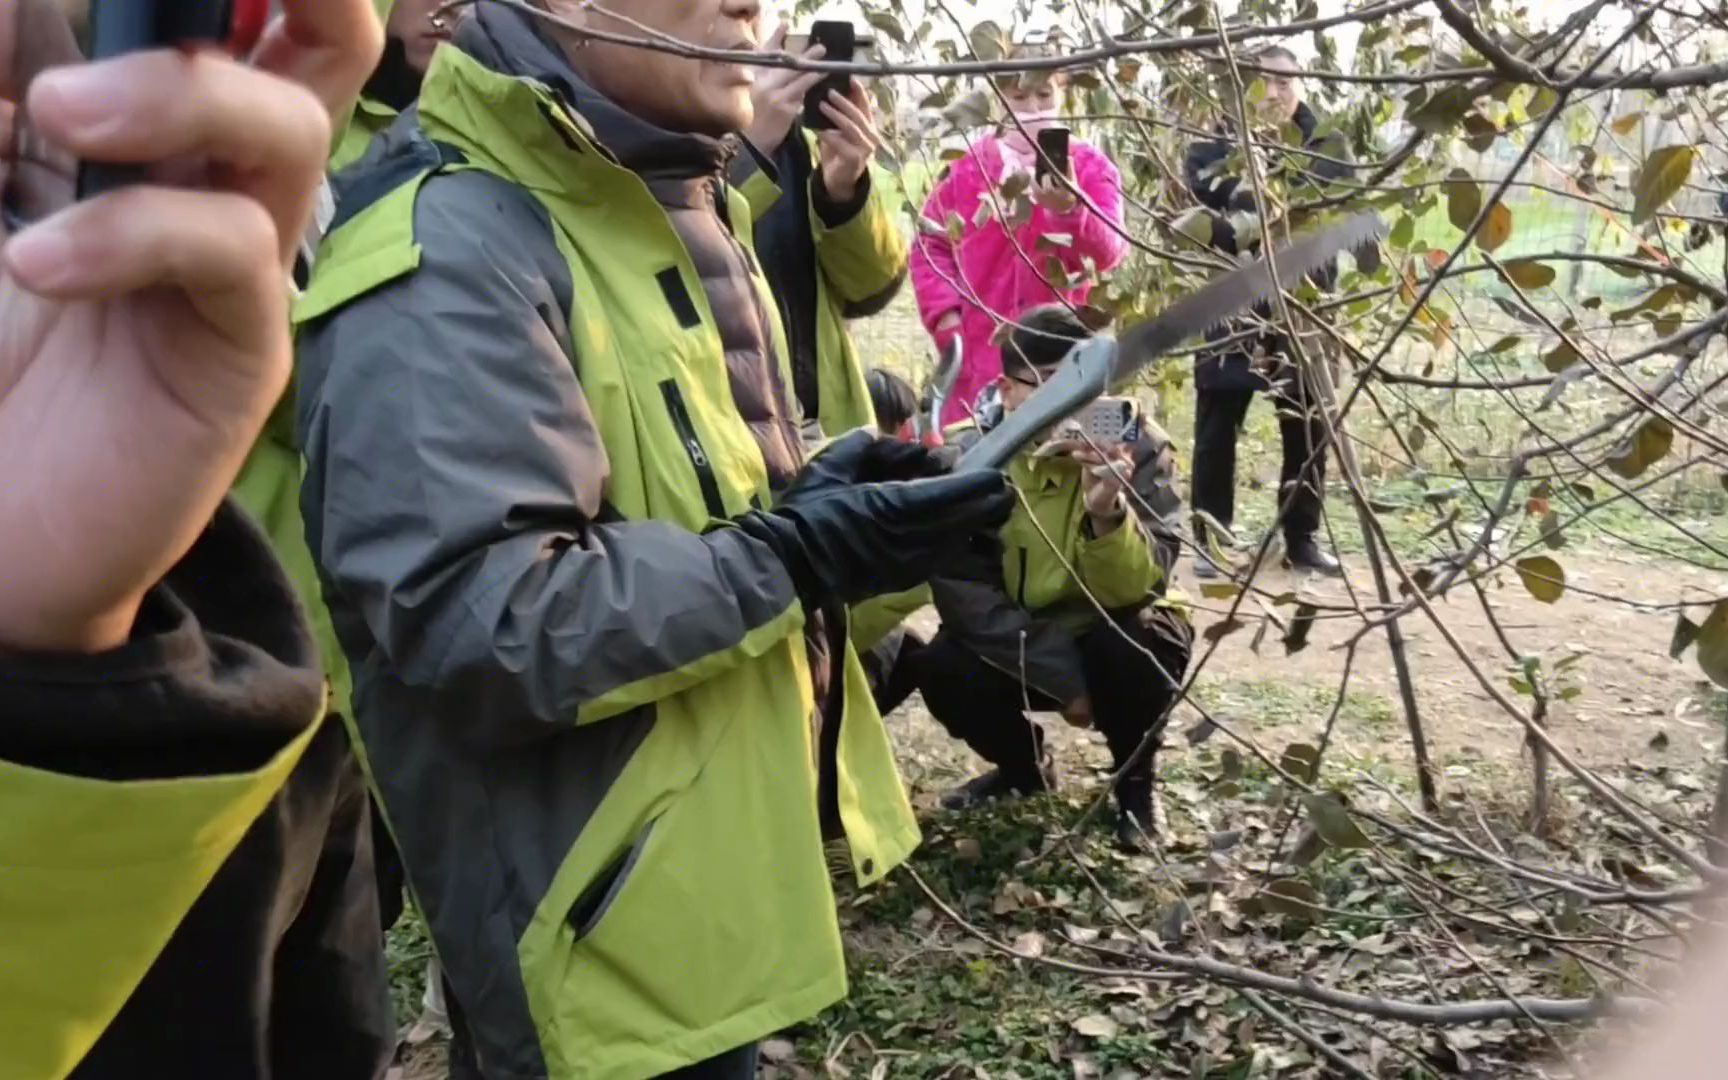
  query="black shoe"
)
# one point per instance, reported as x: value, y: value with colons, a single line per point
x: 995, y: 784
x: 1205, y: 569
x: 1308, y: 556
x: 1139, y: 823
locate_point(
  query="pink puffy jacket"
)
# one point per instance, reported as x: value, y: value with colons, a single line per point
x: 985, y: 277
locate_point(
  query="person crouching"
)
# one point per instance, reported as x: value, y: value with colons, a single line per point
x: 1067, y: 613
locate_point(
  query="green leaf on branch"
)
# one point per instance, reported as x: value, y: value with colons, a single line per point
x: 1442, y: 112
x: 1302, y: 761
x: 1332, y: 820
x: 1463, y: 199
x: 1550, y: 531
x: 988, y: 41
x: 886, y: 24
x: 1543, y: 577
x: 1665, y: 173
x: 1646, y: 446
x: 1560, y: 357
x: 1403, y: 233
x: 1289, y: 896
x: 971, y: 110
x: 1196, y: 225
x: 1296, y: 637
x: 1529, y: 274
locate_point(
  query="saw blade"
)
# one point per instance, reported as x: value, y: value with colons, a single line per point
x: 1095, y: 366
x: 1215, y: 303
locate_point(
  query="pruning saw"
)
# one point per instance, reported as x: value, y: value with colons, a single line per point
x: 1095, y: 366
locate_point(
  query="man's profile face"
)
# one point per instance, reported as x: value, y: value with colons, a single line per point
x: 1283, y: 81
x: 411, y: 23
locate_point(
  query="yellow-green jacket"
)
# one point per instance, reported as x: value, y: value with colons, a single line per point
x: 586, y: 700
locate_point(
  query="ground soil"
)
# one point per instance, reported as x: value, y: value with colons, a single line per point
x: 1638, y: 705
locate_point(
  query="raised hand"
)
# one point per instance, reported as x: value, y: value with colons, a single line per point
x: 779, y: 96
x: 144, y: 334
x: 850, y: 145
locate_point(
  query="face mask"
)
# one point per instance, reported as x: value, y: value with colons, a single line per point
x: 1035, y: 120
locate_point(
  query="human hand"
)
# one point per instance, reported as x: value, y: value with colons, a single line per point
x: 850, y: 145
x: 144, y: 334
x: 847, y: 542
x: 1104, y: 478
x: 1054, y: 195
x: 778, y: 96
x: 947, y: 329
x: 859, y: 457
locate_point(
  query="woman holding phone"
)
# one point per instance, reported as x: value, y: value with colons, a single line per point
x: 974, y: 270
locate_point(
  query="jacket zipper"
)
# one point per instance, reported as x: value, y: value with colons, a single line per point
x: 699, y: 459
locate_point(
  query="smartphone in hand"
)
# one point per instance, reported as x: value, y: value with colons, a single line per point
x: 1107, y: 422
x: 1053, y: 153
x: 842, y: 43
x: 38, y: 177
x: 118, y: 27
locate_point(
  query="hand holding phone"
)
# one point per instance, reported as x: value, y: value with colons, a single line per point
x: 1107, y: 422
x: 1053, y: 182
x: 841, y: 43
x: 1053, y: 154
x: 146, y: 330
x: 119, y: 27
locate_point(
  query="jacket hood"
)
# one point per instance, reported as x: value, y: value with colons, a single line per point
x: 513, y: 44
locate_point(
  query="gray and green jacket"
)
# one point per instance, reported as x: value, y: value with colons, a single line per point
x: 539, y: 373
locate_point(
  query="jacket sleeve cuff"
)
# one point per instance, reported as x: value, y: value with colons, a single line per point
x: 219, y: 676
x: 1118, y: 567
x: 833, y: 213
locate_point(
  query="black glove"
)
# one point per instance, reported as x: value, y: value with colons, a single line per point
x: 859, y: 457
x: 854, y: 524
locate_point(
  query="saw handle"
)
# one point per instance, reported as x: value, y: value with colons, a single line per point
x: 1088, y: 373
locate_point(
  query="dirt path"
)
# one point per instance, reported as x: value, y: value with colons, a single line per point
x: 1637, y: 704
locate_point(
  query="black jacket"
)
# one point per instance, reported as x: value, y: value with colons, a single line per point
x: 1225, y: 194
x: 786, y: 245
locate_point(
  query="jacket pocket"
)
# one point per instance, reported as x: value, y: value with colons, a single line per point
x: 699, y: 459
x: 597, y: 899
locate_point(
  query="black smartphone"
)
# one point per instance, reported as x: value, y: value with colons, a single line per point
x: 118, y: 27
x: 1053, y: 153
x: 839, y: 41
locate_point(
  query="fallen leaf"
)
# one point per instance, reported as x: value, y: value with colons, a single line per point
x: 1030, y: 944
x: 1332, y: 820
x: 1097, y: 1026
